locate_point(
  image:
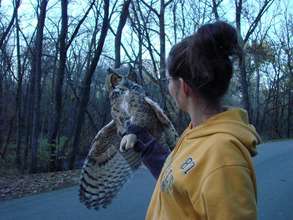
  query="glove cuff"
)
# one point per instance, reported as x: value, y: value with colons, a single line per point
x: 142, y: 134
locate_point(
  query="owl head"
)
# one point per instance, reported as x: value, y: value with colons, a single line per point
x: 129, y: 102
x: 119, y: 81
x: 126, y: 97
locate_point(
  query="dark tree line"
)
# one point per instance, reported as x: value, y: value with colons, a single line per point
x: 52, y: 94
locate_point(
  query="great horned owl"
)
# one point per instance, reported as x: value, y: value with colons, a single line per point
x: 106, y: 169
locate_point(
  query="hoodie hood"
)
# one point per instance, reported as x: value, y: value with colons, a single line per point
x: 235, y: 122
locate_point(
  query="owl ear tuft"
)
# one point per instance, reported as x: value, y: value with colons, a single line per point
x: 129, y: 69
x: 112, y: 79
x: 131, y: 74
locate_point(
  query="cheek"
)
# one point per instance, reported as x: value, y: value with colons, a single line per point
x: 171, y: 88
x: 173, y: 92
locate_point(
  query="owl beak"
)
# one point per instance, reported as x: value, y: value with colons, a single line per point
x: 121, y: 134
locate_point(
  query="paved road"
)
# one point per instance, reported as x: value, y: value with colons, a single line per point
x: 131, y: 204
x: 274, y: 168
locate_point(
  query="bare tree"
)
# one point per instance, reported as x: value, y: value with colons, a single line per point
x: 85, y: 88
x: 122, y: 22
x: 4, y: 35
x: 288, y: 49
x: 161, y: 17
x: 144, y: 32
x: 59, y: 83
x: 50, y: 73
x: 60, y: 77
x: 36, y: 75
x: 18, y: 95
x: 215, y: 5
x: 243, y: 40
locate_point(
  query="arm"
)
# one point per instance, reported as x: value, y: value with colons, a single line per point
x: 153, y: 153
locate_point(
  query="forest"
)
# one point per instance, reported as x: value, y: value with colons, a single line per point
x: 54, y: 56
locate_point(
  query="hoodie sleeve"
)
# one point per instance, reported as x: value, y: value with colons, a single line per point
x: 228, y: 193
x: 153, y: 154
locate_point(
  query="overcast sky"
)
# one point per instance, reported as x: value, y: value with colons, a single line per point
x: 28, y: 19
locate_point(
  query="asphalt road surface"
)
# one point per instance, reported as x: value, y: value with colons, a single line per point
x: 274, y: 168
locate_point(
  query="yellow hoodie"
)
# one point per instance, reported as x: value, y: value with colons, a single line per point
x: 209, y: 174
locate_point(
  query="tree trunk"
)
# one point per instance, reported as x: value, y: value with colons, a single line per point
x: 18, y: 98
x: 136, y: 25
x: 147, y: 35
x: 122, y: 22
x: 162, y: 40
x: 252, y: 26
x: 289, y: 53
x: 27, y: 116
x: 276, y: 104
x: 58, y: 86
x: 8, y: 137
x: 1, y: 110
x: 244, y: 84
x: 257, y: 98
x: 215, y: 6
x: 242, y: 65
x: 85, y: 89
x: 174, y: 9
x: 289, y: 113
x: 36, y: 95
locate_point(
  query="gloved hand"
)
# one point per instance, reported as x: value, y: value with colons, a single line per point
x: 135, y: 137
x: 153, y: 154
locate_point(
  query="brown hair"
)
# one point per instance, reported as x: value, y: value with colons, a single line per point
x: 203, y: 61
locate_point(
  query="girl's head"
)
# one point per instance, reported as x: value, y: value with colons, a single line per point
x: 203, y: 62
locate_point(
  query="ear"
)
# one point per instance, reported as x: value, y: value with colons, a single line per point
x: 185, y: 87
x: 112, y: 79
x: 158, y: 111
x: 131, y: 74
x: 130, y: 69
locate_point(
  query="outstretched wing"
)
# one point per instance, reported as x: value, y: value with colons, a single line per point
x: 106, y: 169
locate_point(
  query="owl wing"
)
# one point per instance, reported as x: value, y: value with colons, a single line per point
x: 171, y: 135
x: 106, y: 169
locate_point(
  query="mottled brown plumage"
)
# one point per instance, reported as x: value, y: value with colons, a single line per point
x: 106, y: 169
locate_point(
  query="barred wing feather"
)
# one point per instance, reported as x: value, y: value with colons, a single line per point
x: 106, y: 169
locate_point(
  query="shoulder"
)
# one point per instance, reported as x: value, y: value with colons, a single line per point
x: 215, y: 152
x: 224, y: 149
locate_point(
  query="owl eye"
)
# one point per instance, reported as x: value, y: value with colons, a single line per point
x: 135, y: 87
x: 115, y: 94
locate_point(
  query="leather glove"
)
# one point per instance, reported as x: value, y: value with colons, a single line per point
x: 153, y: 154
x: 136, y: 137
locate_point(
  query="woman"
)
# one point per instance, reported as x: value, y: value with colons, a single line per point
x: 209, y: 174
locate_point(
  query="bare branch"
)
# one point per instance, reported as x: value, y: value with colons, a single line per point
x: 79, y: 24
x: 254, y: 24
x: 215, y: 6
x: 4, y: 35
x: 122, y: 21
x: 150, y: 8
x: 168, y: 3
